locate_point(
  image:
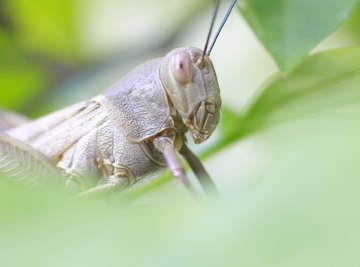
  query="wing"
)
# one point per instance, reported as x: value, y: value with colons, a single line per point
x: 34, y: 129
x: 54, y: 134
x: 10, y: 119
x: 22, y: 163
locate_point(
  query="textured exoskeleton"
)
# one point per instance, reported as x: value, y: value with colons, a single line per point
x: 135, y: 127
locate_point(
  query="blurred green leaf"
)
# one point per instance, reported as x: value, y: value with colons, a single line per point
x: 298, y: 213
x: 290, y: 29
x: 326, y: 81
x: 352, y: 25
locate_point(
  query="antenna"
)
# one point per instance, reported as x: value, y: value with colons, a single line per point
x: 220, y: 28
x: 216, y: 4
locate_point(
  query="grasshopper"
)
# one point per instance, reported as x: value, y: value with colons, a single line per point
x: 133, y: 129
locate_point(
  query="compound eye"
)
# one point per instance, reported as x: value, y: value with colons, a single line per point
x: 181, y: 67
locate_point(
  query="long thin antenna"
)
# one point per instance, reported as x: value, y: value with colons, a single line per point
x: 221, y: 26
x: 216, y: 4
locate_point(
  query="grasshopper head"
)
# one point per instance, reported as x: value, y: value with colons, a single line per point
x: 191, y: 84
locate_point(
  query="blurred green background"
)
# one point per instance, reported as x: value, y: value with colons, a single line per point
x: 285, y: 157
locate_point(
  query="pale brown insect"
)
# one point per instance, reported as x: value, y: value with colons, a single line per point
x: 130, y: 131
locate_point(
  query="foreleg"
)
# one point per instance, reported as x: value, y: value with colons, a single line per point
x: 166, y: 145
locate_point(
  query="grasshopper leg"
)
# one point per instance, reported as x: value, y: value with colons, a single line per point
x: 165, y: 144
x: 176, y: 167
x: 203, y: 177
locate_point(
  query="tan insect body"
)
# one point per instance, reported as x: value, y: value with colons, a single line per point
x: 134, y: 128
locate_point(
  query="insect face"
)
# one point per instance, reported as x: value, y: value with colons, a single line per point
x: 191, y: 84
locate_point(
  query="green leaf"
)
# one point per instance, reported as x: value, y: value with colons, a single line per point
x: 324, y: 82
x: 290, y: 29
